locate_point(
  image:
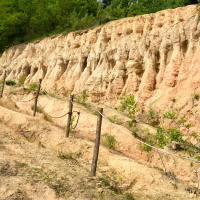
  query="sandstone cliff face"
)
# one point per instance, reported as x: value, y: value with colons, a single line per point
x: 156, y: 57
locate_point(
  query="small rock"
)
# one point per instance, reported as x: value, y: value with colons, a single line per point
x: 100, y: 190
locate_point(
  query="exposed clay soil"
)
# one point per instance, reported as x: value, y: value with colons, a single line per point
x: 37, y: 161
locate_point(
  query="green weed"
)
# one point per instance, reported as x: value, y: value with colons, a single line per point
x: 129, y: 105
x: 110, y: 140
x: 160, y: 138
x: 33, y: 87
x: 37, y: 109
x: 11, y: 83
x: 169, y: 115
x: 129, y: 196
x: 145, y: 147
x: 21, y: 80
x: 196, y: 96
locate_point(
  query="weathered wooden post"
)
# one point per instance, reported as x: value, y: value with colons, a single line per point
x: 69, y: 115
x: 4, y: 78
x: 97, y: 143
x: 36, y: 97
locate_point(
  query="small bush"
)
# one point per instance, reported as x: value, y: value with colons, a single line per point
x: 196, y: 96
x: 129, y: 196
x: 175, y: 135
x: 110, y: 141
x: 154, y: 118
x: 145, y: 147
x: 129, y: 104
x: 160, y: 138
x: 82, y: 98
x: 11, y: 83
x: 33, y: 87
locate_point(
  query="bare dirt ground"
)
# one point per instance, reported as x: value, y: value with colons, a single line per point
x: 37, y: 161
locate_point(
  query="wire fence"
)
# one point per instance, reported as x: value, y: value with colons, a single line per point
x: 69, y: 100
x: 92, y: 113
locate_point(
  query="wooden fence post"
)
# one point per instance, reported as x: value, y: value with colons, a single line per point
x: 4, y: 78
x: 36, y: 97
x: 69, y: 115
x: 97, y: 143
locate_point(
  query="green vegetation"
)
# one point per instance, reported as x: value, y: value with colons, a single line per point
x: 169, y: 115
x: 27, y: 20
x: 22, y: 80
x: 47, y: 118
x: 110, y: 139
x: 129, y: 196
x: 11, y: 83
x: 145, y: 147
x: 154, y: 118
x: 160, y: 138
x: 73, y: 117
x: 196, y: 96
x: 129, y: 105
x: 32, y: 87
x: 65, y: 156
x: 37, y: 109
x: 82, y: 98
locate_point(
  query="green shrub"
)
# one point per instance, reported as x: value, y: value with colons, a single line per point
x: 33, y: 87
x: 129, y: 104
x: 82, y: 98
x: 145, y: 147
x: 110, y: 140
x: 129, y: 196
x: 154, y: 119
x: 160, y: 138
x: 175, y: 135
x: 11, y: 83
x: 196, y: 96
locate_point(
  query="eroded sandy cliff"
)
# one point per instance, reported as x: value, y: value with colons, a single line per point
x: 156, y: 57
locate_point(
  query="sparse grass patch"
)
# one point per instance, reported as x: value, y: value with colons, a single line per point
x: 32, y: 87
x: 145, y: 147
x: 21, y: 80
x: 110, y: 139
x: 114, y: 119
x: 65, y: 156
x: 47, y: 118
x: 37, y: 109
x: 129, y: 196
x: 154, y: 118
x: 169, y: 115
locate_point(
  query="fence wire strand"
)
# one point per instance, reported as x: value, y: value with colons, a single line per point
x: 23, y: 101
x: 158, y: 149
x: 50, y: 115
x: 146, y: 143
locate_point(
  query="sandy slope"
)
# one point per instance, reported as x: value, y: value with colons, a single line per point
x: 31, y: 169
